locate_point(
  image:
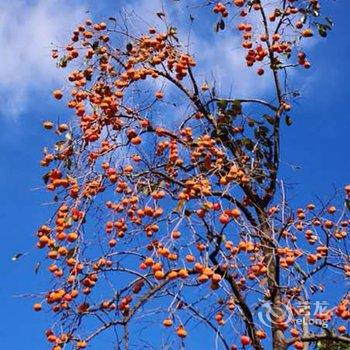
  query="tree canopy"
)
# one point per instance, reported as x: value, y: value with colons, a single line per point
x: 171, y: 212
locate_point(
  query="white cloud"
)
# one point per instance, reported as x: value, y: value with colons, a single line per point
x: 27, y: 29
x: 223, y: 61
x: 220, y: 56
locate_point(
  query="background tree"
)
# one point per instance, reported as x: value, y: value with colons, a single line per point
x: 170, y: 208
x: 329, y: 344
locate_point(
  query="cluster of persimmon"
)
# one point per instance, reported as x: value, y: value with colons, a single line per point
x: 61, y: 298
x: 302, y: 60
x: 56, y: 180
x: 221, y: 8
x: 308, y: 222
x: 235, y: 174
x: 271, y: 45
x: 64, y: 220
x: 137, y: 63
x: 60, y: 244
x: 207, y: 151
x: 195, y: 188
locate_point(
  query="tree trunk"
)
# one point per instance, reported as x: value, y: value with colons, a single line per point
x: 278, y: 340
x: 278, y: 313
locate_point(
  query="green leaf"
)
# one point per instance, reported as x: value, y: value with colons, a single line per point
x: 271, y: 120
x: 231, y: 113
x: 237, y: 103
x: 180, y: 205
x: 248, y: 143
x: 129, y: 47
x: 251, y: 122
x: 46, y: 178
x: 145, y: 191
x: 329, y: 20
x: 60, y: 146
x: 69, y: 220
x: 162, y: 184
x: 68, y: 163
x: 222, y: 24
x: 289, y: 120
x: 222, y: 104
x: 69, y: 136
x: 322, y: 29
x: 173, y: 32
x: 278, y: 12
x: 37, y: 267
x: 71, y: 253
x: 261, y: 132
x: 347, y: 203
x: 63, y: 62
x: 322, y: 32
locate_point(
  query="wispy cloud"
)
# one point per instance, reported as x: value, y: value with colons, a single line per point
x: 220, y: 56
x: 27, y: 29
x: 222, y: 63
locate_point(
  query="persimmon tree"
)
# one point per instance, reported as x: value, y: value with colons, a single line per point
x: 170, y: 211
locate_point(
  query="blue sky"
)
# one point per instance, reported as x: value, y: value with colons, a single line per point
x: 317, y: 142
